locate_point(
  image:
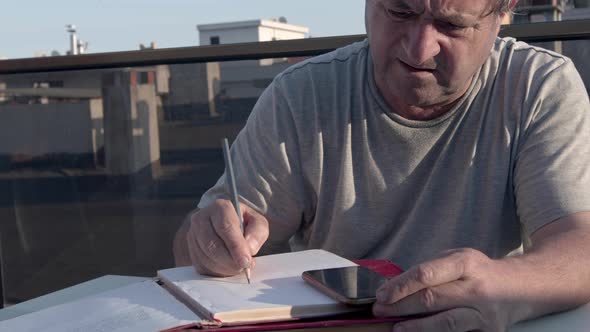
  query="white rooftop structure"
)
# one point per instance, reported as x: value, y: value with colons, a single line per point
x: 249, y: 31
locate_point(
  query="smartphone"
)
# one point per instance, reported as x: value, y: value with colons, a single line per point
x: 353, y: 285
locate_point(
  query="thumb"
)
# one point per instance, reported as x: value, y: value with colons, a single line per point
x: 255, y: 230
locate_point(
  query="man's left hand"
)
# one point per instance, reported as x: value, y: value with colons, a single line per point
x: 462, y: 290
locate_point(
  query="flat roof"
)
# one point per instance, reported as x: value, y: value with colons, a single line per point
x: 252, y: 23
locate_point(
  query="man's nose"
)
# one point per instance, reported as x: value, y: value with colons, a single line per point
x: 422, y: 43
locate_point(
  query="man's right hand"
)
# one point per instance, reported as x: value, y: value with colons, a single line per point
x: 215, y: 242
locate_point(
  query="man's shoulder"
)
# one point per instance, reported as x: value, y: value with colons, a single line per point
x: 351, y: 55
x: 518, y: 68
x: 518, y: 54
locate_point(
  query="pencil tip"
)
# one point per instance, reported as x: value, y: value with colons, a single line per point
x: 247, y: 273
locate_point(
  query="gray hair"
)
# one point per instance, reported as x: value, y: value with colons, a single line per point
x: 501, y: 6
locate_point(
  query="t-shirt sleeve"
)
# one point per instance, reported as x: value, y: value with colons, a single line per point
x: 266, y: 162
x: 552, y: 173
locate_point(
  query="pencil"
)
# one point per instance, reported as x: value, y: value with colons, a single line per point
x: 229, y: 170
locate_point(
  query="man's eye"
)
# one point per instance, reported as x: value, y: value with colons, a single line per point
x: 453, y: 27
x: 400, y: 14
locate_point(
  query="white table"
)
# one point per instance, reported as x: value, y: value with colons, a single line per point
x: 87, y: 288
x: 577, y: 320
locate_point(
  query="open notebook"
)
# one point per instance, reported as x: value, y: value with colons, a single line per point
x: 277, y: 293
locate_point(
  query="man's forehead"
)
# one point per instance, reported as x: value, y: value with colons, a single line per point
x: 456, y: 8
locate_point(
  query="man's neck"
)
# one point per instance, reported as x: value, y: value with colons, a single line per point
x: 423, y: 112
x: 419, y: 113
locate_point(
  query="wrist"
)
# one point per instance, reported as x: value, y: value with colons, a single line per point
x: 519, y: 285
x: 536, y: 286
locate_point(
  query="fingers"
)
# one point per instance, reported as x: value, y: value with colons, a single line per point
x: 216, y: 243
x: 436, y: 272
x: 455, y: 320
x: 207, y: 250
x: 456, y: 288
x: 226, y: 224
x: 256, y: 230
x: 428, y: 300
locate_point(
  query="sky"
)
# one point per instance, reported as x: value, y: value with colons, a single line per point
x: 32, y: 27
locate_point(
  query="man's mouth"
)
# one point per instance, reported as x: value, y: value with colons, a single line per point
x: 417, y: 69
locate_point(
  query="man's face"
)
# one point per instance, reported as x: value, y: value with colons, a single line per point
x: 425, y: 52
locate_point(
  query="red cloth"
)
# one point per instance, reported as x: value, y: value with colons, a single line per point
x: 381, y: 266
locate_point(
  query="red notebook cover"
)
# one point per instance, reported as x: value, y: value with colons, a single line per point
x: 383, y: 267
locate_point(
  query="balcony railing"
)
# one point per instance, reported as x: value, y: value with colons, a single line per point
x: 535, y: 32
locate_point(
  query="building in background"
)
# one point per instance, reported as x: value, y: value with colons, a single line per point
x: 535, y: 11
x: 579, y: 11
x: 250, y: 31
x: 227, y: 91
x: 578, y: 50
x: 59, y: 118
x: 531, y: 11
x: 163, y: 106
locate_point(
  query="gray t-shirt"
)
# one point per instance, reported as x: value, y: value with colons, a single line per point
x: 332, y: 167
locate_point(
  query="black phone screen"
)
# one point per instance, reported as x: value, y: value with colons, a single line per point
x: 352, y: 285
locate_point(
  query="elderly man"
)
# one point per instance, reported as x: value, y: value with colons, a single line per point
x: 434, y: 144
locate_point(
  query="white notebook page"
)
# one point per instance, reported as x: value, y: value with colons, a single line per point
x: 144, y: 306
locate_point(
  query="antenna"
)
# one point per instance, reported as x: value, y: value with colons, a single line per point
x: 71, y: 29
x: 76, y: 46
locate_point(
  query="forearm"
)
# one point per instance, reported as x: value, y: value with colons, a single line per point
x: 554, y: 275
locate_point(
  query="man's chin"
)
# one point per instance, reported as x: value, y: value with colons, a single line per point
x: 420, y: 97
